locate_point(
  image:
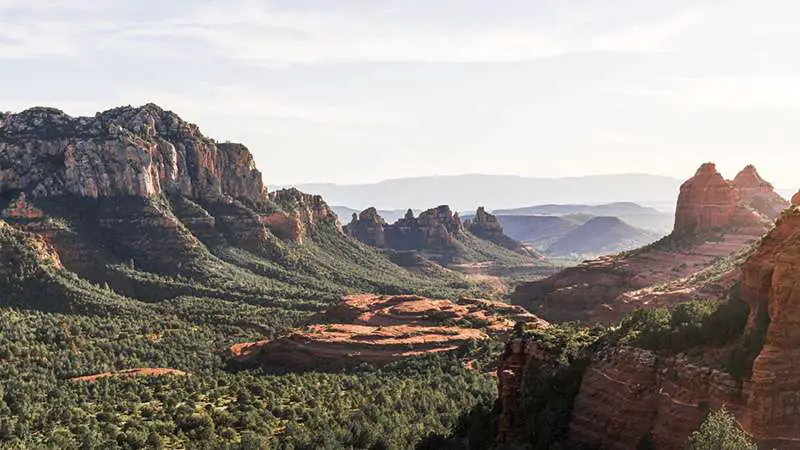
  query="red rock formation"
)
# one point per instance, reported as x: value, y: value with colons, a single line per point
x: 380, y: 329
x: 304, y: 213
x: 631, y: 393
x: 757, y: 193
x: 116, y: 167
x: 434, y: 229
x: 710, y: 222
x: 796, y: 199
x: 707, y: 201
x: 368, y: 227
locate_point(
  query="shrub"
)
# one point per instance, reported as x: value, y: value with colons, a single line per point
x: 719, y: 431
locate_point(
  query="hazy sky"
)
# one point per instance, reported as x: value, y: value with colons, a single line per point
x: 356, y: 91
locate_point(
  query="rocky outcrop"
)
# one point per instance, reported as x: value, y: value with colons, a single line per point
x: 758, y: 193
x: 301, y: 213
x: 710, y: 223
x: 434, y: 229
x: 707, y: 201
x: 487, y: 227
x: 367, y: 227
x: 125, y: 151
x: 439, y: 235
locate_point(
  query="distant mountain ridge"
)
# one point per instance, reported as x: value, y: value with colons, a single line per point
x: 467, y: 192
x: 632, y: 213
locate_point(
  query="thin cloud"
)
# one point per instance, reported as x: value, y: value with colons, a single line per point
x: 252, y: 32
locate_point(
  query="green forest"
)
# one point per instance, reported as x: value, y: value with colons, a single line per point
x: 124, y: 311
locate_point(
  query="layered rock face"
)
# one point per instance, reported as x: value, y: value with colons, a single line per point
x: 629, y: 394
x: 710, y: 223
x: 771, y: 286
x: 707, y: 201
x: 758, y: 193
x: 121, y: 152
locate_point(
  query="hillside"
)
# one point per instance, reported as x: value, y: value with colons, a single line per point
x: 539, y: 231
x: 130, y: 243
x: 602, y: 235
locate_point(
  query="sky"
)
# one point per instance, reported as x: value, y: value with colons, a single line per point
x: 357, y: 91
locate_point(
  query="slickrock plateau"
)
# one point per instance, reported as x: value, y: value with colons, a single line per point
x: 379, y: 329
x: 711, y: 223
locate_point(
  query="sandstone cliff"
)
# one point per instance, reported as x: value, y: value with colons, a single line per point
x: 770, y: 286
x: 666, y: 396
x: 711, y: 222
x: 125, y: 151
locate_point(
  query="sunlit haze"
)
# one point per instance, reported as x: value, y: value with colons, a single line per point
x: 360, y: 91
